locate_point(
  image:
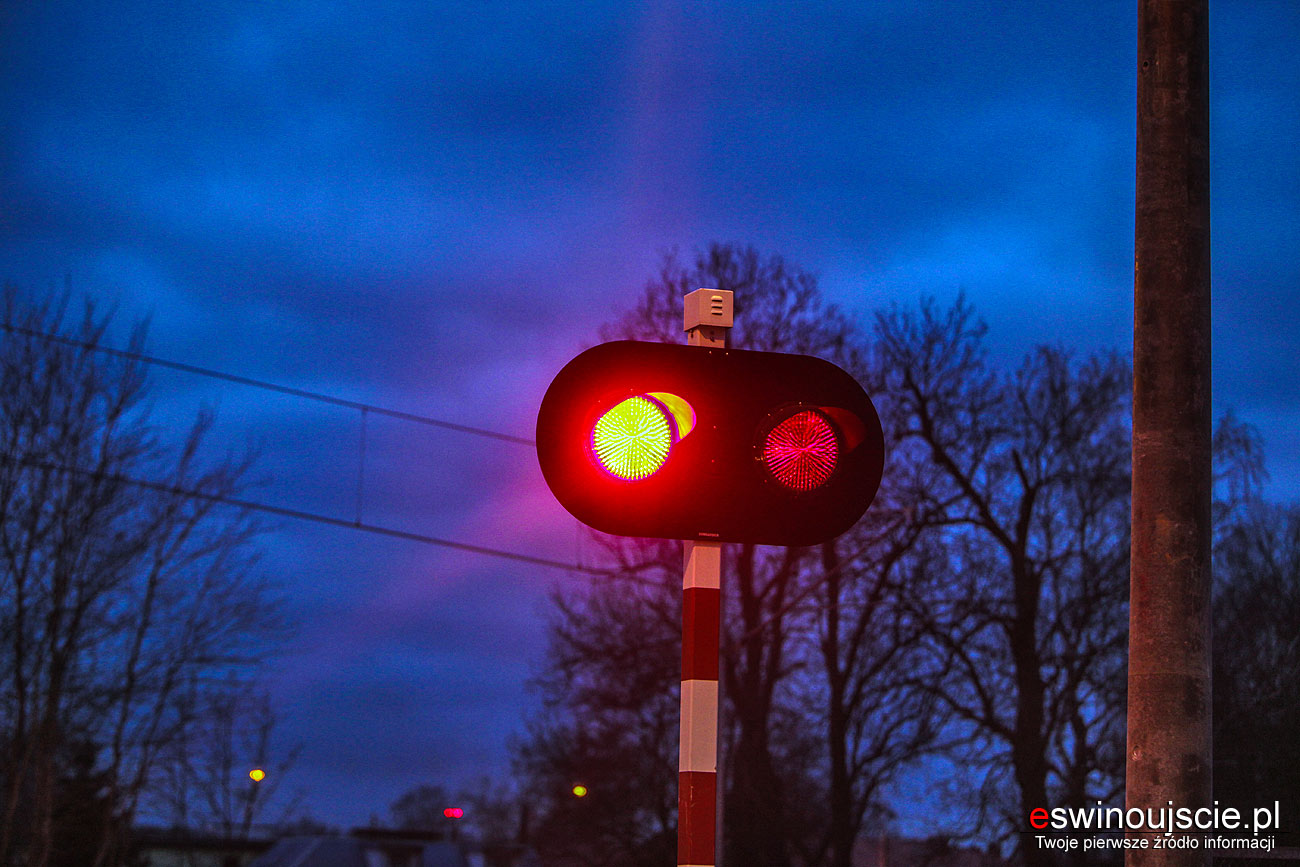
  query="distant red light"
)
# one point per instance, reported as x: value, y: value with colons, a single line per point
x: 801, y: 452
x: 453, y: 813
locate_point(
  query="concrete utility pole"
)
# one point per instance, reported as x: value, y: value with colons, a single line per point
x: 707, y: 321
x: 1169, y: 754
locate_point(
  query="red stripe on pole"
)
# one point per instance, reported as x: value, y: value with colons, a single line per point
x: 697, y: 792
x: 700, y: 613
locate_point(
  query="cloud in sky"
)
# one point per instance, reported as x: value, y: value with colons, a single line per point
x: 433, y: 206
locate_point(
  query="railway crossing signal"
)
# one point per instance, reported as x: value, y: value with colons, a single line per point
x: 709, y: 443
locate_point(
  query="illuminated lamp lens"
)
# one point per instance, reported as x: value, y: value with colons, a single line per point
x: 631, y: 441
x: 801, y: 451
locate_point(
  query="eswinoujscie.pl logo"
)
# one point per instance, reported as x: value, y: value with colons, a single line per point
x: 1159, y: 819
x: 1196, y: 827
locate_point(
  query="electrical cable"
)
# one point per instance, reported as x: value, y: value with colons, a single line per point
x: 268, y: 386
x: 303, y: 516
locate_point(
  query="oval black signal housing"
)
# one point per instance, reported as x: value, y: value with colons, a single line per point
x: 711, y: 444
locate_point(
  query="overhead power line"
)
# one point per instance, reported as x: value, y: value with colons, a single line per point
x: 282, y: 511
x: 268, y: 386
x: 301, y: 515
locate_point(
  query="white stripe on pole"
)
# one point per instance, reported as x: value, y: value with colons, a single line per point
x: 703, y: 565
x: 699, y: 731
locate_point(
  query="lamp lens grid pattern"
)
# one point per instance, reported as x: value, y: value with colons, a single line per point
x: 801, y: 451
x: 632, y: 440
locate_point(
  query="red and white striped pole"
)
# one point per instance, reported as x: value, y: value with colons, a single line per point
x: 707, y: 320
x: 697, y: 786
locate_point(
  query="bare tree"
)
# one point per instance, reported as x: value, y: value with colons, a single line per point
x: 113, y: 597
x: 205, y: 777
x: 868, y: 641
x: 1256, y: 643
x: 610, y: 721
x: 1024, y: 602
x: 981, y: 606
x: 1257, y: 659
x: 807, y: 663
x: 778, y: 308
x: 867, y: 644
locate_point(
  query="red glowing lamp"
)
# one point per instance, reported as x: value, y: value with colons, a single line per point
x: 453, y: 813
x: 802, y: 450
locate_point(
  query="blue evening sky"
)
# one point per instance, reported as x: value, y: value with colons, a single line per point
x: 432, y: 206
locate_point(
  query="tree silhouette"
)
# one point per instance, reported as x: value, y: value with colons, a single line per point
x: 779, y: 731
x: 112, y: 597
x: 979, y: 609
x: 1023, y: 598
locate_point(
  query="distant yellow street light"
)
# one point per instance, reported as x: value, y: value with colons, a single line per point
x: 580, y: 791
x: 257, y: 775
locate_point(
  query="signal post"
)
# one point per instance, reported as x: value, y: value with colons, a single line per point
x: 707, y: 444
x: 707, y: 321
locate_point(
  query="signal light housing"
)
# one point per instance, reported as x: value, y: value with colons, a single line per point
x: 686, y: 442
